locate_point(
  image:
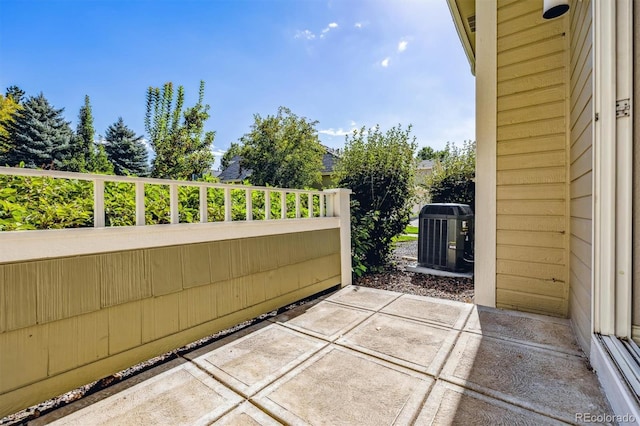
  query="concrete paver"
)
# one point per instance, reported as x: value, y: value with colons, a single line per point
x: 182, y: 395
x: 325, y: 320
x: 413, y: 344
x: 449, y: 404
x: 547, y: 382
x: 365, y: 357
x: 436, y: 311
x: 363, y: 297
x: 547, y: 332
x: 255, y: 360
x: 342, y: 387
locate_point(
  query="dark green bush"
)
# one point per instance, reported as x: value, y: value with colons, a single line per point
x: 452, y: 180
x: 379, y: 168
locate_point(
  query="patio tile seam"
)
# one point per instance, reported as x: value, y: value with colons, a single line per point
x: 551, y: 348
x: 356, y: 288
x: 421, y: 320
x: 254, y: 390
x: 499, y: 396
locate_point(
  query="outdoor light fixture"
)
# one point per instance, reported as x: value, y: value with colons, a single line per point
x: 554, y: 8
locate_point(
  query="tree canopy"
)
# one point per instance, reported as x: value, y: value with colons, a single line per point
x: 182, y: 147
x: 379, y: 168
x: 8, y: 110
x: 428, y: 153
x: 282, y: 150
x: 39, y: 136
x: 452, y: 180
x: 125, y: 150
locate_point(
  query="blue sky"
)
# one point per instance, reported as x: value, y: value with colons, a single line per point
x: 344, y: 63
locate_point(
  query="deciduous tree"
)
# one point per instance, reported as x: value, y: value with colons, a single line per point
x: 8, y: 110
x: 282, y: 150
x: 452, y: 180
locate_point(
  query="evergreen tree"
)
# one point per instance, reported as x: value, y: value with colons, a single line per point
x: 125, y: 150
x: 39, y: 135
x: 83, y: 149
x: 101, y: 163
x: 15, y: 93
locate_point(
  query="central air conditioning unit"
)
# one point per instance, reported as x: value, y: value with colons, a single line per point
x: 445, y: 237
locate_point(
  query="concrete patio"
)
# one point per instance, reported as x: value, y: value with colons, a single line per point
x: 362, y: 356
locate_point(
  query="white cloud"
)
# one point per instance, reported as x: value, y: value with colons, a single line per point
x: 352, y: 124
x: 336, y: 132
x: 328, y: 28
x: 306, y: 34
x: 358, y: 25
x: 402, y: 46
x: 385, y: 62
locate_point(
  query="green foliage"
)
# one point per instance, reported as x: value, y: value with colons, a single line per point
x: 125, y: 150
x: 182, y: 148
x: 428, y: 153
x: 46, y: 203
x: 15, y: 93
x: 452, y: 180
x: 38, y: 136
x: 283, y: 151
x: 100, y: 163
x: 8, y: 110
x: 82, y: 148
x: 379, y: 168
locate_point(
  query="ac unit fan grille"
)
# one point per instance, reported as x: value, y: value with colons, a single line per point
x: 436, y: 241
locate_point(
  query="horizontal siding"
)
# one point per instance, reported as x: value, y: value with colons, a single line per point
x: 532, y: 159
x: 581, y: 165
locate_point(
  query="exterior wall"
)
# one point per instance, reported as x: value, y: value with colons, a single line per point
x: 532, y: 154
x: 581, y: 175
x: 68, y: 321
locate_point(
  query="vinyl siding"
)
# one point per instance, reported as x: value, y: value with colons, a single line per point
x: 532, y: 156
x: 581, y: 176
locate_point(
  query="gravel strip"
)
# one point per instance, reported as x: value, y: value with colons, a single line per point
x: 397, y: 279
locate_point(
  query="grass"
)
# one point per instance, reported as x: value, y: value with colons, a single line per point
x: 404, y: 238
x: 411, y: 229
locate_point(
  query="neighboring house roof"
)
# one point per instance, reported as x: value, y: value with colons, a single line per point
x: 425, y: 165
x: 329, y: 160
x: 235, y: 173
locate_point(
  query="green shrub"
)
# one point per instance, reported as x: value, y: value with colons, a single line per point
x: 452, y: 180
x: 47, y: 203
x: 379, y: 168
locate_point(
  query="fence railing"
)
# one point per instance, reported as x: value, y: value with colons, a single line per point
x: 324, y: 199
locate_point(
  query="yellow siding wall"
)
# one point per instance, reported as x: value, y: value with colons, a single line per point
x: 65, y: 322
x: 531, y: 194
x: 581, y: 169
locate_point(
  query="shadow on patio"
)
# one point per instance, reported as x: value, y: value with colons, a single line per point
x: 363, y: 356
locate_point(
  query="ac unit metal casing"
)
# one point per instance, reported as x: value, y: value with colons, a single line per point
x: 445, y: 235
